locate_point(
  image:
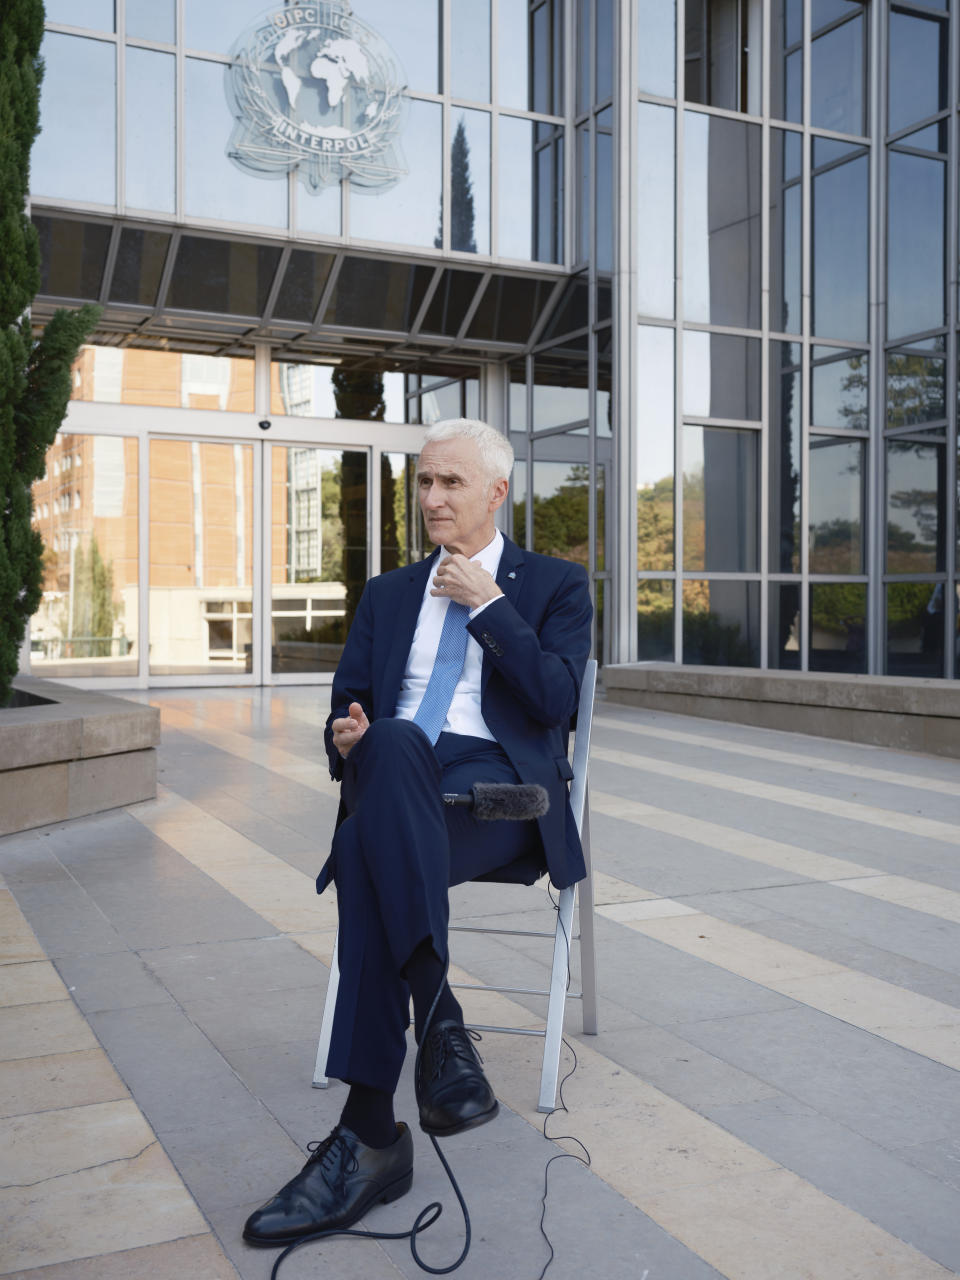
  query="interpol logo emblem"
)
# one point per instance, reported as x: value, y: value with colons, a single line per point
x: 315, y: 89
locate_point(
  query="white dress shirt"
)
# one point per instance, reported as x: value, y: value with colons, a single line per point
x: 464, y: 714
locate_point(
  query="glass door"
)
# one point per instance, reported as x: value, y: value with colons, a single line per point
x: 257, y: 553
x: 318, y: 554
x: 201, y: 565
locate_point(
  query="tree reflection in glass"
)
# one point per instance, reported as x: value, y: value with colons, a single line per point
x: 836, y: 506
x: 654, y: 621
x: 838, y: 626
x: 655, y: 448
x: 721, y: 623
x: 840, y: 389
x: 561, y: 502
x: 916, y: 389
x: 915, y: 629
x: 785, y: 417
x: 916, y: 496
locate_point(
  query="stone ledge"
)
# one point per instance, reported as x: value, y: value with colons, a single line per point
x: 911, y: 715
x: 78, y: 753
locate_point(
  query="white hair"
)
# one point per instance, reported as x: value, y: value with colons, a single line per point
x: 496, y: 451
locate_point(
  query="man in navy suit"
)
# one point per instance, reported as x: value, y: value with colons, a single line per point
x: 463, y: 668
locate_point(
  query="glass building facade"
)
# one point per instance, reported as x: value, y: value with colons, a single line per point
x: 699, y: 260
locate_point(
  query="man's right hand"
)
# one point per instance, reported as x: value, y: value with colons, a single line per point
x: 348, y: 731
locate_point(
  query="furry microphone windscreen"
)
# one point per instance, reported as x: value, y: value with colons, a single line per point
x: 495, y: 801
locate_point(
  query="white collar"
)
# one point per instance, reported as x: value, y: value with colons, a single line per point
x: 488, y: 557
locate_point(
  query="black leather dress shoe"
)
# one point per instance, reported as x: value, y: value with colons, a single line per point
x: 452, y: 1090
x: 338, y: 1184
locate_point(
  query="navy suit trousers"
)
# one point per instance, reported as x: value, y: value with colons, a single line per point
x: 394, y: 857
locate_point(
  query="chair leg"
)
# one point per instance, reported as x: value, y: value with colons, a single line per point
x: 558, y: 999
x: 320, y: 1080
x: 588, y: 946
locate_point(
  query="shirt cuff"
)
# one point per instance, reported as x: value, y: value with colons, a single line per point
x: 480, y: 608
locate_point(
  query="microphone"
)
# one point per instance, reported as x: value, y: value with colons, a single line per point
x: 496, y: 801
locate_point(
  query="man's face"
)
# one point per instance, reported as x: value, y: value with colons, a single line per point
x: 456, y: 496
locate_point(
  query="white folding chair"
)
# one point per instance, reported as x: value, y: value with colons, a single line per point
x: 562, y: 935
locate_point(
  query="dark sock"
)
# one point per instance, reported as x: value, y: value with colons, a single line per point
x: 424, y: 972
x: 369, y: 1114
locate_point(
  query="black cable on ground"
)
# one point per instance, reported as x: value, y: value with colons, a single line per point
x: 426, y: 1217
x: 562, y: 1106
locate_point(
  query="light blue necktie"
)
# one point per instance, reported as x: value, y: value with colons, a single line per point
x: 447, y: 669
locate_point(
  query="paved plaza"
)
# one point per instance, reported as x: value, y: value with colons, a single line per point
x: 773, y: 1093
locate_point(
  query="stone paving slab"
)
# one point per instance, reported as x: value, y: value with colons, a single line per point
x: 162, y: 973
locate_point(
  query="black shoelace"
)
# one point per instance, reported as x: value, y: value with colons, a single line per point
x: 334, y: 1157
x: 449, y: 1042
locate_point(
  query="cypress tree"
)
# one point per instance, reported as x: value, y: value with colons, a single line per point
x: 461, y: 193
x: 34, y: 374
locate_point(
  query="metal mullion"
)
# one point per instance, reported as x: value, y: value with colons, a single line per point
x: 911, y: 7
x: 838, y: 346
x: 569, y: 134
x: 844, y: 18
x: 179, y: 111
x: 164, y: 287
x: 445, y: 126
x: 90, y: 33
x: 917, y: 151
x: 327, y: 293
x: 538, y: 117
x: 156, y: 46
x: 528, y: 457
x: 838, y: 433
x: 679, y: 131
x: 546, y: 313
x: 280, y: 272
x: 550, y: 343
x: 719, y: 575
x: 806, y: 328
x: 923, y: 431
x: 206, y: 55
x: 897, y: 579
x: 739, y: 424
x: 259, y: 605
x: 374, y: 499
x: 471, y: 311
x: 494, y: 174
x: 109, y: 263
x: 841, y: 160
x: 143, y: 551
x: 708, y: 110
x: 765, y: 251
x: 263, y: 586
x: 952, y: 461
x: 120, y: 68
x: 620, y: 518
x: 893, y: 139
x: 425, y: 304
x: 875, y: 522
x: 562, y: 430
x: 734, y: 331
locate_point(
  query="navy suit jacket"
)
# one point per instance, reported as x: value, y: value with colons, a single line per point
x: 535, y: 646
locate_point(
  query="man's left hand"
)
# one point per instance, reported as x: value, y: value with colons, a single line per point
x: 465, y: 581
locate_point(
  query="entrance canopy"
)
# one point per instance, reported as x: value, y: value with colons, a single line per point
x: 203, y: 292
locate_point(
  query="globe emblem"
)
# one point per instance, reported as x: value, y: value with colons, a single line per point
x: 313, y: 88
x: 315, y: 70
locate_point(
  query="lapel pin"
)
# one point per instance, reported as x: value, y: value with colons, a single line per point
x: 511, y: 574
